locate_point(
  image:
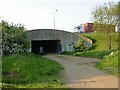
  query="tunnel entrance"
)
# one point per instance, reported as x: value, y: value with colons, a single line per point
x: 46, y: 46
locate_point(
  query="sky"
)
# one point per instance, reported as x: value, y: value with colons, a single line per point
x: 39, y: 14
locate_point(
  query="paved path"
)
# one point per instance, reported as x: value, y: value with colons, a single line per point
x: 80, y: 72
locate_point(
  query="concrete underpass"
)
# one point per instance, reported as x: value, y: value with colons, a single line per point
x: 46, y: 46
x: 51, y: 41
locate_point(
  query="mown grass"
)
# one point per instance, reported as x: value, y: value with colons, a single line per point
x: 100, y: 45
x: 100, y: 41
x: 30, y: 71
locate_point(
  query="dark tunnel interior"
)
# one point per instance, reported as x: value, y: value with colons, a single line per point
x: 46, y: 46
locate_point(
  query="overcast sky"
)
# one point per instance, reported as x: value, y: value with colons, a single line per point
x: 38, y: 14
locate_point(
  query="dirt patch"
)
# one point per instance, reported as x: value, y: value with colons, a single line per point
x: 80, y: 72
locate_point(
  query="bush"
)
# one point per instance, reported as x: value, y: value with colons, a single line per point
x: 110, y: 60
x: 109, y: 63
x: 79, y: 47
x: 14, y: 39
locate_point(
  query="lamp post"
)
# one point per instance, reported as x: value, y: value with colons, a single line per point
x: 54, y: 17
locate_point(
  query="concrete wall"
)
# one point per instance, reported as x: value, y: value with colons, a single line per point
x: 67, y: 38
x: 87, y: 42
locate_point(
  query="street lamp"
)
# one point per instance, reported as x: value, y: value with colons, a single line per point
x: 54, y: 17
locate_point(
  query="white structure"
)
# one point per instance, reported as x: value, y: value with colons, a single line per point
x: 117, y: 28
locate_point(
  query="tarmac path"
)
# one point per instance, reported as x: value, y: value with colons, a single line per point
x: 80, y: 72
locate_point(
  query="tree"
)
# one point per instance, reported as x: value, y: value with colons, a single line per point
x: 105, y: 17
x: 14, y: 39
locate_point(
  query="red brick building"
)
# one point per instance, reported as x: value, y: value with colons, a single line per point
x: 87, y: 27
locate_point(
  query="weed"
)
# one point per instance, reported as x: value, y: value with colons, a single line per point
x: 19, y: 70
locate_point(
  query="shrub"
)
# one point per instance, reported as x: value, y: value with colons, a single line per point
x: 110, y: 60
x: 110, y: 63
x: 79, y: 47
x: 14, y: 39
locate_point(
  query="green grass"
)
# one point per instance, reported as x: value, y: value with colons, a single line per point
x: 100, y: 45
x: 30, y: 71
x: 69, y: 53
x: 92, y: 54
x: 100, y: 50
x: 109, y: 63
x: 100, y: 41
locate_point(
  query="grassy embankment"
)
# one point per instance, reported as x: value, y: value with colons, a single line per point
x: 109, y: 62
x: 30, y: 71
x: 100, y: 46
